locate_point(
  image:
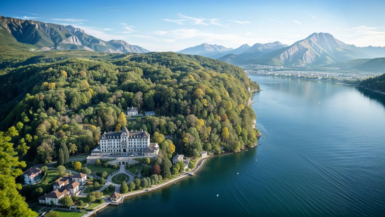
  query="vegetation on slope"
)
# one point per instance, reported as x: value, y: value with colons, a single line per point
x: 375, y: 83
x: 201, y: 101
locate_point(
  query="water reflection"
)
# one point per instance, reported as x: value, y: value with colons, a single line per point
x: 377, y: 97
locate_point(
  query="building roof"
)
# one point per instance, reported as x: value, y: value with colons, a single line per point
x: 178, y: 157
x: 203, y: 152
x: 96, y: 150
x: 152, y: 148
x: 56, y: 194
x: 132, y: 109
x: 115, y: 195
x: 79, y: 175
x: 72, y: 185
x: 62, y: 180
x: 32, y: 170
x: 130, y: 134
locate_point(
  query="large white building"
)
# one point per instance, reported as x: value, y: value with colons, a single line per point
x: 133, y: 111
x: 127, y: 143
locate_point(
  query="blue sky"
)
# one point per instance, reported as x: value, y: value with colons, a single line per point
x: 175, y: 25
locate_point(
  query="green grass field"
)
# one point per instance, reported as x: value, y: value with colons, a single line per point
x: 135, y: 169
x: 87, y: 190
x: 51, y: 177
x: 94, y: 204
x: 118, y: 179
x: 96, y: 169
x: 63, y: 213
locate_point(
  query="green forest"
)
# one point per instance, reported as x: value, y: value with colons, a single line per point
x: 375, y: 83
x: 200, y: 102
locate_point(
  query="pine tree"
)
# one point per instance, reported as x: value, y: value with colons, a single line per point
x: 65, y: 152
x: 60, y: 159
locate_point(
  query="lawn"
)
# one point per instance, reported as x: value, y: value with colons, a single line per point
x: 118, y: 179
x: 63, y: 213
x: 51, y: 176
x: 135, y: 169
x: 94, y: 204
x: 78, y: 156
x: 87, y: 190
x: 96, y: 169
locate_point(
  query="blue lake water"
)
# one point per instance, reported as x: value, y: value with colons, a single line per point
x: 322, y: 154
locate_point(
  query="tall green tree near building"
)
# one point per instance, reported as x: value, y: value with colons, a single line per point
x: 12, y: 204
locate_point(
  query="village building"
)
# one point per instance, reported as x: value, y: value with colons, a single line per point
x: 31, y: 174
x: 177, y: 158
x: 128, y: 142
x: 116, y: 197
x: 64, y: 186
x: 149, y: 113
x: 203, y: 153
x: 133, y: 111
x: 96, y: 151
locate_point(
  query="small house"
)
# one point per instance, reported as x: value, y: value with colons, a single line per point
x: 31, y: 174
x: 149, y: 113
x: 133, y: 111
x: 203, y: 153
x: 177, y: 158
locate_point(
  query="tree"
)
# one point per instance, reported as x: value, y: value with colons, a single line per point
x: 123, y: 187
x: 98, y: 195
x: 91, y: 197
x: 137, y: 182
x: 61, y: 170
x: 156, y: 169
x: 65, y: 151
x: 86, y: 149
x: 60, y: 159
x: 75, y: 198
x: 174, y: 171
x: 102, y: 181
x: 225, y: 133
x: 166, y: 168
x: 81, y: 203
x: 158, y: 137
x: 73, y: 148
x: 122, y: 120
x: 111, y: 187
x: 132, y: 186
x: 182, y: 165
x: 98, y: 163
x: 77, y: 165
x: 96, y: 185
x: 104, y: 174
x: 139, y: 98
x: 85, y: 170
x: 143, y: 182
x: 171, y: 148
x: 148, y: 161
x: 52, y: 214
x: 66, y: 201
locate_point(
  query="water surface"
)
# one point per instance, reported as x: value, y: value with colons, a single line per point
x: 322, y: 155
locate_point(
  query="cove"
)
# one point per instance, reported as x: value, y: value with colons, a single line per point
x: 321, y: 154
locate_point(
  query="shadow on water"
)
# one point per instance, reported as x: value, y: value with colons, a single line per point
x: 378, y: 97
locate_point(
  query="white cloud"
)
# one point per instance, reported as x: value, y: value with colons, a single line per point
x: 216, y: 23
x: 366, y: 35
x: 297, y: 22
x: 69, y: 20
x: 128, y: 29
x: 100, y: 33
x: 180, y: 21
x: 240, y: 22
x: 313, y: 17
x: 194, y: 20
x: 28, y: 18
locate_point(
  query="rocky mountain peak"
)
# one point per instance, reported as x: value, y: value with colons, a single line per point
x: 74, y: 29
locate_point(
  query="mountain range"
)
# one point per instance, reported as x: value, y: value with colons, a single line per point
x: 46, y: 36
x: 316, y: 49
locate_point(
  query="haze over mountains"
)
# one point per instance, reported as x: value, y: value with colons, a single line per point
x: 316, y: 49
x: 47, y: 36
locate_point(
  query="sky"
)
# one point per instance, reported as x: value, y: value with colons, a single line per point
x: 176, y: 25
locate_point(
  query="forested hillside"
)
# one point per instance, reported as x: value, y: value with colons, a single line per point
x: 201, y: 101
x: 376, y: 83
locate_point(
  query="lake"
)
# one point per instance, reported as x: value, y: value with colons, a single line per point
x: 322, y: 154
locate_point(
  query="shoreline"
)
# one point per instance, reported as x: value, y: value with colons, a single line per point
x: 199, y: 164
